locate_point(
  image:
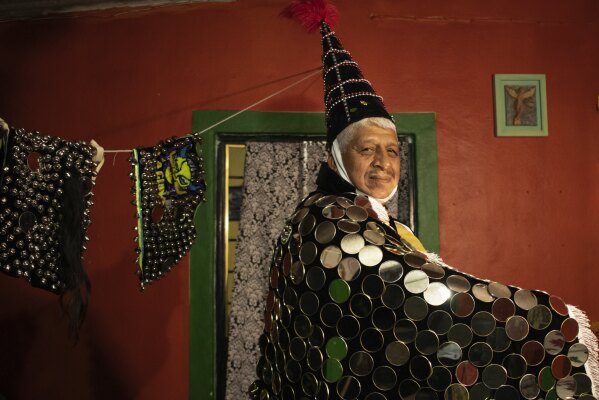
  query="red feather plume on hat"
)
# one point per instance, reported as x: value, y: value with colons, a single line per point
x: 310, y: 13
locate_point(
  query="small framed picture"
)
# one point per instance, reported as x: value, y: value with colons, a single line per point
x: 520, y: 105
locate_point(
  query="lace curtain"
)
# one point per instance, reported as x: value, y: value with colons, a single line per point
x: 277, y: 176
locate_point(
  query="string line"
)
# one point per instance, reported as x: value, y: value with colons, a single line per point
x: 316, y: 71
x: 259, y: 102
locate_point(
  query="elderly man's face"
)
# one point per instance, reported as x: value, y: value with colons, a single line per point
x: 372, y: 161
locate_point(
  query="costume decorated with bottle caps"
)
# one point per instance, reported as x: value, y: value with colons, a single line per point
x: 357, y: 309
x: 168, y: 186
x: 45, y: 197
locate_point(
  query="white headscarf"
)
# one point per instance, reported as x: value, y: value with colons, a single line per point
x: 377, y: 204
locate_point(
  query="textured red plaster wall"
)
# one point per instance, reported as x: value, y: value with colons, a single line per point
x: 517, y: 210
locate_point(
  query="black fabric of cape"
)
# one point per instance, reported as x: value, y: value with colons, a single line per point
x: 353, y: 311
x: 168, y: 183
x: 45, y: 197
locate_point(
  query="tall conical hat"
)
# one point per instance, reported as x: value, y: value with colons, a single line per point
x: 348, y: 97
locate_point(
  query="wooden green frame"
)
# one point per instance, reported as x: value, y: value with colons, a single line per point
x: 202, y: 279
x: 536, y: 80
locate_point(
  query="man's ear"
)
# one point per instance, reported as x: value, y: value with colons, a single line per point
x: 331, y: 163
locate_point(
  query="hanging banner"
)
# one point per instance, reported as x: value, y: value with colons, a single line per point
x: 168, y: 186
x: 45, y: 197
x: 39, y: 174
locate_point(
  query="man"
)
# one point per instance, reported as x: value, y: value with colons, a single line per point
x: 356, y: 308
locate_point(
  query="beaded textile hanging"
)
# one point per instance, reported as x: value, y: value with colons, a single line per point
x: 45, y: 197
x: 168, y: 186
x: 35, y: 172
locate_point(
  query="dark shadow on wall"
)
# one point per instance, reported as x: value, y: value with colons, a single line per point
x: 139, y: 319
x: 18, y: 41
x: 16, y: 334
x: 115, y: 358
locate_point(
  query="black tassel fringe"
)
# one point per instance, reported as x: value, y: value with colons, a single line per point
x: 71, y: 237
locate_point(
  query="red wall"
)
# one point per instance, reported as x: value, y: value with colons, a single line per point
x: 518, y: 210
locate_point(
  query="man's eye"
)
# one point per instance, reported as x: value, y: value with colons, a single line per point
x: 367, y: 150
x: 393, y: 152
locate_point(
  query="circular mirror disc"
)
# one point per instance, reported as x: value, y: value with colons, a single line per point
x: 502, y: 309
x: 499, y: 290
x: 480, y: 354
x: 456, y: 391
x: 348, y: 226
x: 525, y: 299
x: 516, y: 328
x: 449, y: 354
x: 416, y: 281
x: 533, y: 352
x: 529, y: 388
x: 436, y: 294
x: 361, y: 363
x: 494, y: 376
x: 561, y: 366
x: 480, y: 392
x: 415, y: 308
x: 466, y: 373
x: 460, y: 334
x: 583, y: 383
x: 405, y: 331
x: 554, y: 342
x: 578, y: 354
x: 481, y: 292
x: 539, y: 317
x: 507, y: 392
x: 515, y: 366
x: 565, y: 388
x: 461, y: 304
x: 349, y: 269
x: 569, y: 329
x: 458, y: 283
x: 558, y: 305
x: 397, y: 353
x: 330, y: 257
x: 331, y: 370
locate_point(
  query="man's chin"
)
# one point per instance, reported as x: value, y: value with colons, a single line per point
x: 379, y: 193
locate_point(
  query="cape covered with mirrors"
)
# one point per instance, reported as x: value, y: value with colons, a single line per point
x: 357, y: 310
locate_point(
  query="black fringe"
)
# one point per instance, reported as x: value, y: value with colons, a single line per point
x: 71, y: 238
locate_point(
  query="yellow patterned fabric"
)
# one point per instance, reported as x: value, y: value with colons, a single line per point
x: 408, y: 237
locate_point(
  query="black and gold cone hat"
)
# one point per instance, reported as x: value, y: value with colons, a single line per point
x: 348, y: 97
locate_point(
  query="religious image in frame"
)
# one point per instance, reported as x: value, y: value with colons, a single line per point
x: 520, y: 105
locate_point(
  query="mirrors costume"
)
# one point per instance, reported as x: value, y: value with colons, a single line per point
x: 357, y: 309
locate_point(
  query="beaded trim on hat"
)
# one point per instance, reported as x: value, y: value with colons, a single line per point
x: 327, y: 36
x: 332, y: 89
x: 336, y: 66
x: 335, y: 51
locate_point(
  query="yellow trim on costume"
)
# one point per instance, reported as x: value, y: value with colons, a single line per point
x: 406, y: 234
x: 140, y: 234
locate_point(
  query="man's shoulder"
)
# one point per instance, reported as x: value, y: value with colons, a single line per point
x: 343, y: 213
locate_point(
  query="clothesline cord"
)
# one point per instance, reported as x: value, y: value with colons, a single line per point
x: 259, y: 102
x: 314, y: 72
